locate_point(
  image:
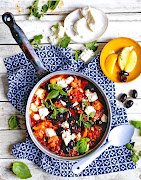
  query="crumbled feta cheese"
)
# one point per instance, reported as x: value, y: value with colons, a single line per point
x: 67, y: 137
x: 33, y: 107
x: 69, y: 80
x: 87, y: 13
x: 63, y: 103
x: 80, y: 27
x: 89, y: 109
x: 62, y: 83
x: 86, y: 54
x: 53, y: 40
x: 75, y: 104
x: 92, y: 96
x: 60, y: 31
x: 40, y: 93
x: 50, y: 132
x: 104, y: 118
x: 78, y: 136
x: 36, y: 116
x: 43, y: 112
x: 65, y: 124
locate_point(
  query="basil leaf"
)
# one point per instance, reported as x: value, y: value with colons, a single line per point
x: 91, y: 45
x: 46, y: 104
x: 136, y: 124
x: 44, y: 8
x: 21, y: 170
x: 63, y: 92
x: 62, y: 110
x: 92, y: 114
x: 76, y: 56
x: 54, y: 114
x: 65, y: 42
x: 53, y: 94
x: 53, y: 4
x: 36, y: 40
x: 87, y: 124
x: 80, y: 119
x: 54, y: 86
x: 82, y: 145
x: 130, y: 146
x: 134, y: 158
x: 13, y: 122
x: 139, y: 153
x: 91, y: 122
x: 85, y: 103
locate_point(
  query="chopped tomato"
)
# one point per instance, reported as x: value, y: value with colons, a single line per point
x: 76, y: 83
x: 53, y: 141
x: 97, y: 105
x: 94, y: 132
x: 98, y: 114
x: 58, y: 104
x: 84, y: 83
x: 77, y: 95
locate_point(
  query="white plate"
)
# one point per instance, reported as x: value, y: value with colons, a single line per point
x: 91, y: 36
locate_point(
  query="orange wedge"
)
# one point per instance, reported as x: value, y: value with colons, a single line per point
x: 131, y: 62
x: 110, y: 62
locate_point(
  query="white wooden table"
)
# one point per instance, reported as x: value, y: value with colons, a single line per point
x: 124, y: 21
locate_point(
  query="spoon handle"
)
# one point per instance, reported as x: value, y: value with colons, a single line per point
x: 82, y: 164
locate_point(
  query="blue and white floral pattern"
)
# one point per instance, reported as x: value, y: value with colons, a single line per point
x: 22, y: 77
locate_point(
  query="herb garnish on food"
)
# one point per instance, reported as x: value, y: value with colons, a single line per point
x: 82, y: 145
x: 21, y: 170
x: 87, y: 123
x: 36, y: 40
x: 13, y: 122
x: 65, y: 42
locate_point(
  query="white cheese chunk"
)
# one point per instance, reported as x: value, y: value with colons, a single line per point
x: 60, y: 31
x: 69, y: 80
x: 89, y: 109
x: 78, y: 136
x: 43, y: 112
x: 75, y: 104
x: 86, y: 54
x: 53, y: 40
x: 65, y: 124
x: 87, y: 13
x: 62, y: 83
x: 36, y: 116
x: 92, y: 96
x: 67, y: 137
x: 104, y: 118
x: 40, y: 93
x: 50, y: 132
x: 33, y: 107
x: 63, y: 103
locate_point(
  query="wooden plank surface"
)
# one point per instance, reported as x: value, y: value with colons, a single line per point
x: 124, y: 20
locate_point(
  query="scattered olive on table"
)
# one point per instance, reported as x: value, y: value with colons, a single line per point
x: 134, y: 93
x: 123, y: 97
x: 129, y: 104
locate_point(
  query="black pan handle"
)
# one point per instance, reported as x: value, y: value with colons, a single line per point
x: 24, y: 44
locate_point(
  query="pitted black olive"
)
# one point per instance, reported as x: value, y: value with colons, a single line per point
x: 123, y: 97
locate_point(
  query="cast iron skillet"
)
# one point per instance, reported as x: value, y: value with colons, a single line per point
x: 43, y: 75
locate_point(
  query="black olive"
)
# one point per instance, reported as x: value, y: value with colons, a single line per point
x: 69, y: 105
x: 71, y: 144
x: 123, y: 97
x: 121, y: 73
x: 47, y: 88
x: 123, y: 78
x: 129, y: 104
x: 56, y: 123
x: 65, y: 98
x: 90, y: 87
x: 65, y: 148
x: 134, y: 93
x: 98, y: 122
x: 66, y: 89
x: 59, y: 131
x: 66, y: 115
x: 58, y: 98
x: 74, y: 128
x: 49, y: 117
x: 59, y: 116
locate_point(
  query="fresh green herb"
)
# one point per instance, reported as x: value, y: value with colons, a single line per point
x: 36, y: 40
x: 56, y: 25
x: 63, y: 92
x: 92, y: 114
x: 34, y: 10
x: 44, y: 9
x: 53, y: 4
x: 139, y: 153
x: 87, y: 124
x: 13, y: 122
x: 91, y: 45
x: 46, y: 104
x: 65, y: 42
x: 80, y: 119
x: 136, y: 124
x: 59, y: 88
x: 53, y: 94
x: 55, y: 112
x: 91, y: 122
x: 134, y: 157
x: 82, y: 145
x: 85, y: 103
x: 78, y: 52
x: 21, y: 170
x: 130, y: 146
x: 62, y: 110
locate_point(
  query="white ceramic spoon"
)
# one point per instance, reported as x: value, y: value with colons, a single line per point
x: 119, y: 136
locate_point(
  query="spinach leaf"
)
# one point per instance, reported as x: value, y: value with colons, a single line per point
x: 36, y: 40
x: 13, y: 122
x: 136, y: 124
x: 44, y: 9
x: 82, y: 145
x: 53, y: 4
x: 34, y: 10
x: 91, y: 45
x: 62, y: 110
x: 134, y: 157
x: 21, y: 170
x: 130, y: 146
x: 46, y: 104
x: 53, y: 94
x: 55, y: 86
x: 65, y: 42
